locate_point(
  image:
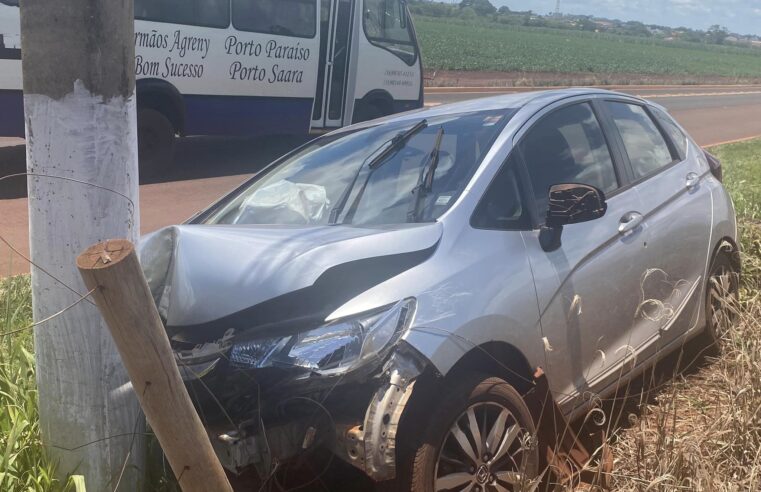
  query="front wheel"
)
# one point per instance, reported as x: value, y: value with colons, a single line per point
x: 480, y: 438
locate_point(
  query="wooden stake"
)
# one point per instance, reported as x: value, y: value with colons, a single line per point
x: 124, y: 299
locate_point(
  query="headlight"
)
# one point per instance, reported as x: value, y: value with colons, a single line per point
x: 335, y: 348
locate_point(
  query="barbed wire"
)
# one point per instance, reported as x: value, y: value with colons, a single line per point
x: 79, y: 181
x: 49, y: 318
x: 80, y: 298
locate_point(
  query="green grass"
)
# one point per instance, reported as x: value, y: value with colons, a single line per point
x: 450, y: 44
x: 24, y: 466
x: 742, y: 177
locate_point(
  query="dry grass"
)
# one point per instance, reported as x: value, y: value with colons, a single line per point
x: 701, y: 430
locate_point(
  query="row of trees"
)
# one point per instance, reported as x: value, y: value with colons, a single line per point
x: 485, y: 11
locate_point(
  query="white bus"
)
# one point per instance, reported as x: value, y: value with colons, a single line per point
x: 251, y: 67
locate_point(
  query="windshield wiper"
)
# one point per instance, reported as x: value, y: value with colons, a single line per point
x: 381, y: 156
x: 425, y: 180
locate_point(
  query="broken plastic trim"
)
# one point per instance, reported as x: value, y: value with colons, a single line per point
x: 371, y: 446
x: 202, y: 359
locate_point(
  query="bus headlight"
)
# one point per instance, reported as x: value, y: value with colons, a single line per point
x: 332, y: 349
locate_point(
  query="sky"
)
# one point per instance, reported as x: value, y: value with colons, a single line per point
x: 741, y: 16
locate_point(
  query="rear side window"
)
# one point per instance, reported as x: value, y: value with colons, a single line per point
x: 387, y: 26
x: 647, y: 149
x: 206, y: 13
x: 12, y: 3
x: 282, y: 17
x: 673, y: 131
x: 568, y: 146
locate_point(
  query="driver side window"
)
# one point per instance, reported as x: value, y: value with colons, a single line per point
x: 568, y: 146
x: 386, y: 25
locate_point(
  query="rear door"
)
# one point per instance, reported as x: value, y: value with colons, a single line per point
x: 669, y: 177
x: 586, y: 289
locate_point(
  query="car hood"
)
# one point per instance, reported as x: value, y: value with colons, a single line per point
x: 209, y: 278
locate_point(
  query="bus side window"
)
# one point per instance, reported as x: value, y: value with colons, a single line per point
x: 386, y: 26
x: 282, y: 17
x: 204, y: 13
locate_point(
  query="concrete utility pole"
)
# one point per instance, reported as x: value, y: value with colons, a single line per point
x: 79, y: 103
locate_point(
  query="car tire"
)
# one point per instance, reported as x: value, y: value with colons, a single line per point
x: 721, y: 300
x: 156, y: 140
x: 499, y: 413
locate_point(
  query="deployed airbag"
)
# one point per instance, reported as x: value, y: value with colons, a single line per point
x: 284, y: 202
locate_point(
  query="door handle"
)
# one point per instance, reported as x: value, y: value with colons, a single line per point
x: 691, y: 181
x: 629, y: 222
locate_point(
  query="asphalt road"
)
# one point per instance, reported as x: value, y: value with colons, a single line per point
x: 206, y: 168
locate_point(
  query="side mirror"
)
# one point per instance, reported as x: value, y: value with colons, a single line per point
x: 570, y: 204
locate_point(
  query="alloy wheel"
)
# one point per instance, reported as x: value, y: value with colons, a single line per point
x: 485, y: 450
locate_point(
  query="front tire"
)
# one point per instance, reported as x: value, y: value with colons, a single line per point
x: 481, y: 437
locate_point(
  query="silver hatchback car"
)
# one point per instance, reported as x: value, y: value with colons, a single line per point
x: 388, y: 290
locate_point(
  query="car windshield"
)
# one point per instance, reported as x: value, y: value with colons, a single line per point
x: 391, y: 173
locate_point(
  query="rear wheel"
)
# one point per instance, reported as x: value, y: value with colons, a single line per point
x: 721, y: 303
x: 370, y: 110
x: 480, y: 438
x: 155, y: 139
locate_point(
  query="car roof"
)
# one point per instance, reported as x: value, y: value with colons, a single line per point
x: 503, y: 101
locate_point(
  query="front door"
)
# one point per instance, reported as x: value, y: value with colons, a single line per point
x: 586, y: 289
x: 335, y: 44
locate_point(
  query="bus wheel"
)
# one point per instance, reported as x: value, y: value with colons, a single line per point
x: 372, y: 110
x: 155, y: 141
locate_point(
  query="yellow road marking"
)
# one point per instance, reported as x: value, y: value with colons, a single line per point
x: 736, y: 140
x: 702, y: 94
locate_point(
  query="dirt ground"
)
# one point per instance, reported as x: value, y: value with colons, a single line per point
x: 457, y: 78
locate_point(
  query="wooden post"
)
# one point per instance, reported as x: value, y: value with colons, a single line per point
x: 124, y: 299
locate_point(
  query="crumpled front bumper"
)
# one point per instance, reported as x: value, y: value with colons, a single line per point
x: 357, y: 419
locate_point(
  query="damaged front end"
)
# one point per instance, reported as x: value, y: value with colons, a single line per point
x: 343, y: 385
x: 272, y: 376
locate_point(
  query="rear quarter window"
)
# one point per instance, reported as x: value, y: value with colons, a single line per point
x: 676, y: 135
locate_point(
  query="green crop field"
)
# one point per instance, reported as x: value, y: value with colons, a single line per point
x: 449, y: 44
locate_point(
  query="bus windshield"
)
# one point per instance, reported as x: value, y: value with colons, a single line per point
x: 341, y: 174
